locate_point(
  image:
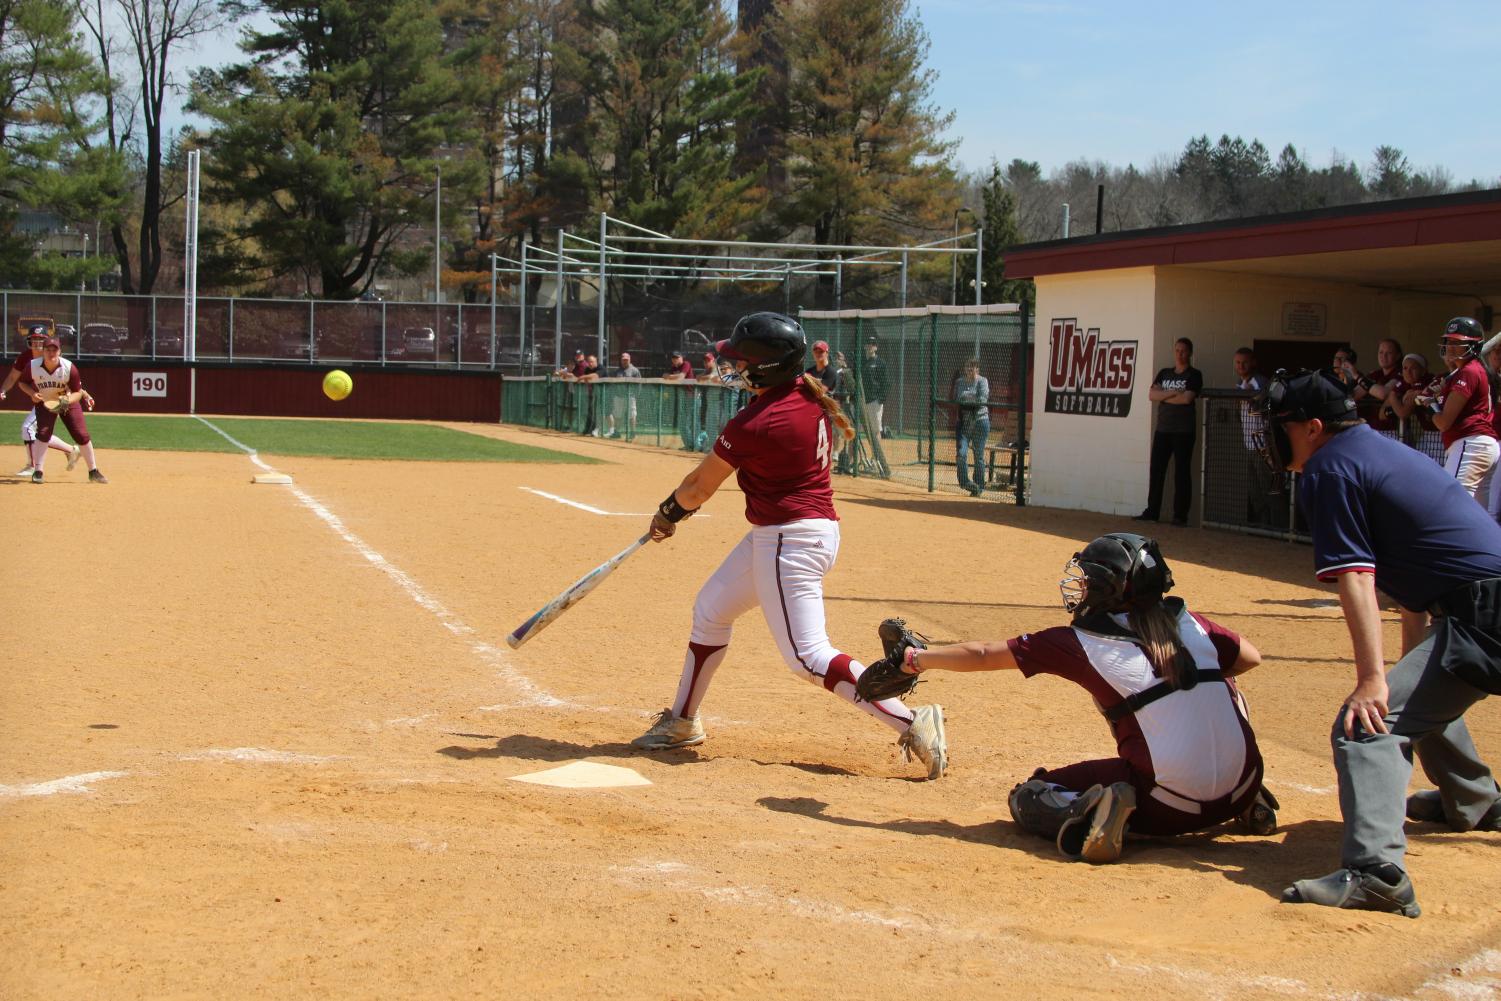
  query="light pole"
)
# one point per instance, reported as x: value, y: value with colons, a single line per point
x: 83, y: 282
x: 954, y: 278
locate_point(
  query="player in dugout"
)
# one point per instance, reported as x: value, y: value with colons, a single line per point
x: 1385, y: 517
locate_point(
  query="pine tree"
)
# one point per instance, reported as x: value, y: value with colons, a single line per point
x: 330, y: 139
x: 866, y: 161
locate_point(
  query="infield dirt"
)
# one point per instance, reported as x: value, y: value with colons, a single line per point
x: 300, y: 758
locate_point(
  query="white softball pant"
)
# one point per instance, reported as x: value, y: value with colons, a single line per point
x: 28, y: 427
x: 780, y: 568
x: 1472, y: 461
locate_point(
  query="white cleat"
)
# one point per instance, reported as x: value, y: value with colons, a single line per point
x: 925, y: 740
x: 671, y: 731
x: 24, y: 473
x: 74, y: 456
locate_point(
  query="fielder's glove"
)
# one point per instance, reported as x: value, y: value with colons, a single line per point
x: 63, y: 405
x: 885, y: 679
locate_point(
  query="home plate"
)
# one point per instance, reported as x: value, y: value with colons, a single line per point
x: 584, y: 775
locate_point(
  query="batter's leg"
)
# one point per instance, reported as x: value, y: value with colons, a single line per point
x: 790, y: 562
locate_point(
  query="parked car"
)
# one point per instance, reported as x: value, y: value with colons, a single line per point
x: 168, y: 342
x: 101, y: 339
x: 419, y: 342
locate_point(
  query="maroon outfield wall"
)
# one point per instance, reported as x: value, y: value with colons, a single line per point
x: 122, y: 386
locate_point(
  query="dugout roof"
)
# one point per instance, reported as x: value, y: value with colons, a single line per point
x: 1446, y: 243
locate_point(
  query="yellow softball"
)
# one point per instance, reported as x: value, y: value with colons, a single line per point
x: 337, y: 385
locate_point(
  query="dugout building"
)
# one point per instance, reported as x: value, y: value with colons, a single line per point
x: 1294, y: 287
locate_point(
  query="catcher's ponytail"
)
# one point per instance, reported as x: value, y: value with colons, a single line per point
x: 830, y: 405
x: 1157, y: 629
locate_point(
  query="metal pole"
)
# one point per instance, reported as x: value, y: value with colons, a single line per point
x: 190, y: 264
x: 311, y: 325
x: 494, y: 272
x: 521, y: 320
x: 600, y: 331
x: 954, y: 264
x: 383, y: 332
x: 557, y: 313
x: 901, y: 358
x: 839, y: 282
x: 787, y: 289
x: 1065, y: 220
x: 1023, y: 443
x: 1099, y: 209
x: 231, y: 329
x: 979, y: 264
x: 932, y: 401
x: 438, y: 241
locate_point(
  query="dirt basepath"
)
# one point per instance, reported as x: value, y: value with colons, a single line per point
x: 259, y: 744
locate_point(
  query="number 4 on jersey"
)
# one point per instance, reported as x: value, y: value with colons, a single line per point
x: 823, y: 443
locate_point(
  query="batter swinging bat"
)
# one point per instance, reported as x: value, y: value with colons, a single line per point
x: 571, y: 597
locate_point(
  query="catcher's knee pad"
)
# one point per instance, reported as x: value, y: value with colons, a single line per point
x: 1040, y: 807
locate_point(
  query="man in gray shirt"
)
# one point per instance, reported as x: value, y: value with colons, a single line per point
x: 623, y: 398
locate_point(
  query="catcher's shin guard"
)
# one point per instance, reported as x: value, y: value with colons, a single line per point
x: 1040, y: 807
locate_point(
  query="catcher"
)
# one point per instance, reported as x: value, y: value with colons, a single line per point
x: 1161, y: 675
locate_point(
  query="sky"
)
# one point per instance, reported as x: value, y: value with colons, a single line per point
x: 1130, y: 82
x: 1061, y: 80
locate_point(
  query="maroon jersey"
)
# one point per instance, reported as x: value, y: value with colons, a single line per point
x: 1371, y: 408
x: 780, y: 447
x: 22, y: 364
x: 683, y: 368
x: 1475, y: 417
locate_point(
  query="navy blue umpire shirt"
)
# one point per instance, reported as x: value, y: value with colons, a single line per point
x: 1373, y: 504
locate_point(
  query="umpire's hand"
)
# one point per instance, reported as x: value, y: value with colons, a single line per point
x: 1366, y: 706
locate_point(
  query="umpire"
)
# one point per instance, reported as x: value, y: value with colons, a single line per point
x: 1384, y: 516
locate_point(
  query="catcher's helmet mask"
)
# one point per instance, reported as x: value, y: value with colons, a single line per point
x: 1115, y: 573
x: 771, y: 346
x: 1298, y: 395
x: 38, y: 332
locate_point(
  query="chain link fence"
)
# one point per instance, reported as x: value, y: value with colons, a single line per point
x: 896, y: 370
x: 1237, y: 485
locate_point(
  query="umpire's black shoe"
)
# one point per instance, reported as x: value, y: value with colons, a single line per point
x: 1356, y: 890
x: 1145, y: 516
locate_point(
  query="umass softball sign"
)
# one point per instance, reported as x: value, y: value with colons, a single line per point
x: 1088, y: 374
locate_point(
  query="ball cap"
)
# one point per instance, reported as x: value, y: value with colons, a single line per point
x: 821, y: 346
x: 52, y: 342
x: 677, y: 354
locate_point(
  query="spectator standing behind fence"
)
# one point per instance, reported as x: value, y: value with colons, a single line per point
x: 1261, y: 504
x: 1461, y: 405
x: 875, y: 382
x: 623, y: 406
x: 680, y: 369
x: 822, y: 369
x: 1174, y: 391
x: 591, y: 412
x: 1372, y: 389
x: 972, y: 394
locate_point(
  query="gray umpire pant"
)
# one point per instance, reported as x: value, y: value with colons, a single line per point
x: 1425, y: 706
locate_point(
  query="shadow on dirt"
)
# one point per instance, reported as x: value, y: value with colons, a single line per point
x: 545, y: 749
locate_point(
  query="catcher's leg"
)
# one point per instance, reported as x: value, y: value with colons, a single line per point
x: 790, y: 561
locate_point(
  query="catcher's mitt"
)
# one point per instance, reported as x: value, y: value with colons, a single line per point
x: 885, y: 679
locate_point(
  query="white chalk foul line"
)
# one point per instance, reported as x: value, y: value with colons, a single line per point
x: 489, y: 654
x: 69, y: 783
x: 586, y: 507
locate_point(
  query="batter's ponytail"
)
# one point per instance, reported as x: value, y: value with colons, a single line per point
x: 830, y: 406
x: 1157, y: 629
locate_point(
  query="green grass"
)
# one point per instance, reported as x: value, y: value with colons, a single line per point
x: 332, y: 439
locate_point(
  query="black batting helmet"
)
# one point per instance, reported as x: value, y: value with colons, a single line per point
x: 37, y: 330
x: 1465, y: 332
x: 1115, y: 573
x: 772, y: 347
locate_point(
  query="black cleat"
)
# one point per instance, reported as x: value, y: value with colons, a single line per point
x: 1356, y: 890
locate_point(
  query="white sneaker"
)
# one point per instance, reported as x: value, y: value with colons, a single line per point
x: 26, y: 472
x: 74, y: 456
x: 671, y: 731
x: 925, y: 739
